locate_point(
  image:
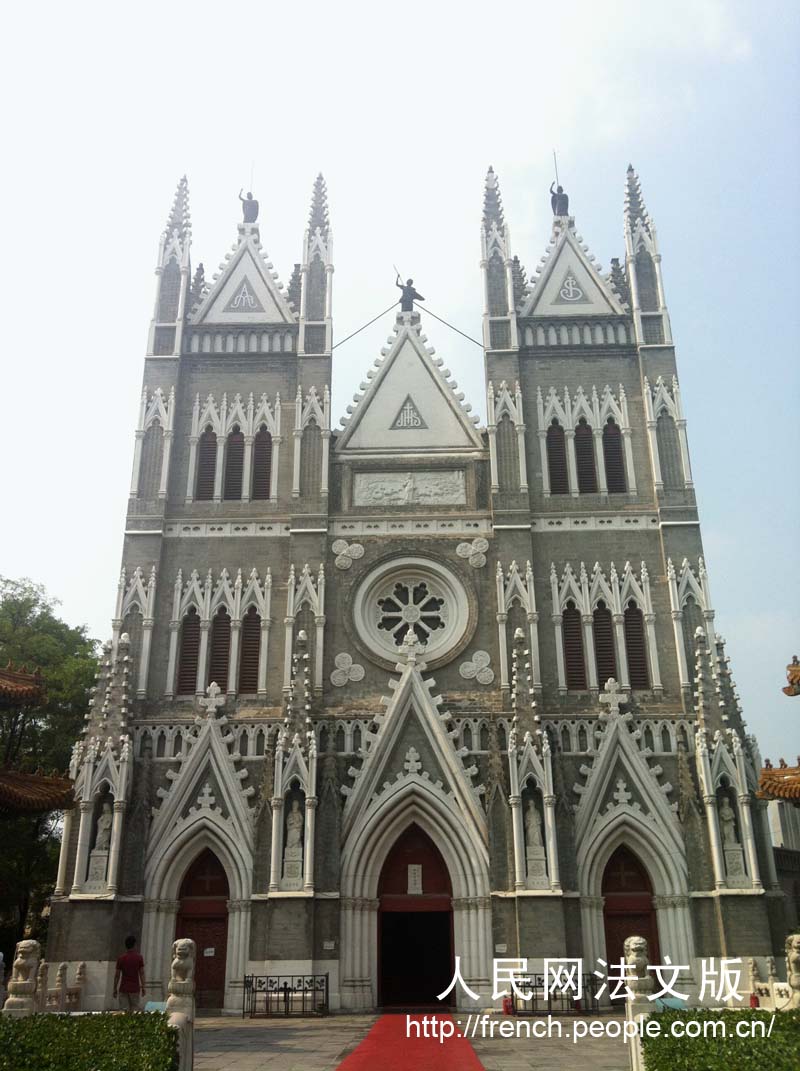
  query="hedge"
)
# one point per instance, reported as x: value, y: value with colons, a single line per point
x: 778, y: 1052
x: 103, y: 1042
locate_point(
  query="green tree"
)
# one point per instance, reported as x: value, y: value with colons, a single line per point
x: 33, y: 635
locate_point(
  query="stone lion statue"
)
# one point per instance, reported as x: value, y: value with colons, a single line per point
x: 22, y: 987
x: 181, y: 981
x: 793, y: 967
x: 637, y: 958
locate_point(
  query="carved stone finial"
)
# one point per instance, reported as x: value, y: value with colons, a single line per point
x: 613, y: 697
x: 214, y: 701
x: 181, y: 979
x: 793, y: 968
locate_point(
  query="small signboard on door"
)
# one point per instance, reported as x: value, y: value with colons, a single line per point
x: 209, y: 951
x: 414, y: 879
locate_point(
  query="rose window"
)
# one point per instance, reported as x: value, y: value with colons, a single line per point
x: 411, y: 606
x: 417, y: 594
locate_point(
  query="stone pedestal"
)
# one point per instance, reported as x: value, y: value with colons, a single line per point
x: 98, y: 869
x: 536, y: 867
x: 734, y: 866
x: 292, y: 879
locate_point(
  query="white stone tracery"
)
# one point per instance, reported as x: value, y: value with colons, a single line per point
x: 207, y: 598
x: 499, y: 405
x: 134, y: 595
x: 515, y: 588
x: 249, y: 417
x: 683, y: 584
x: 616, y: 592
x: 596, y: 410
x: 304, y: 589
x: 310, y: 411
x: 154, y: 409
x: 657, y: 399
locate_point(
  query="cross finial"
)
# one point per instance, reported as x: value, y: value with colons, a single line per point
x: 214, y: 700
x: 622, y: 796
x: 412, y: 763
x: 410, y: 647
x: 613, y: 697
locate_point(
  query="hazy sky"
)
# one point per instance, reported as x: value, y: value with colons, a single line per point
x: 403, y: 107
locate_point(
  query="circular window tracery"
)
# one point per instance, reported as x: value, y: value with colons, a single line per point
x: 416, y: 594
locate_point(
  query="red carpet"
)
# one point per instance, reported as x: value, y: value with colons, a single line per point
x: 388, y: 1048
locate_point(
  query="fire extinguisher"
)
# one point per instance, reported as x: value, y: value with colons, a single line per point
x: 754, y: 1002
x: 508, y: 1006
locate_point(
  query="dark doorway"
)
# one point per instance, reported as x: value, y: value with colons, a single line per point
x: 628, y: 905
x: 415, y: 924
x: 203, y: 916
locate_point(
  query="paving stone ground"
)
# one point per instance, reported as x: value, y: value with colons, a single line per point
x: 227, y: 1044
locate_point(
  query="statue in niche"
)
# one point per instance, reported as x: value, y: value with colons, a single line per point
x: 104, y: 823
x: 293, y: 851
x: 559, y: 201
x: 249, y: 208
x: 727, y: 822
x: 533, y: 827
x: 409, y: 294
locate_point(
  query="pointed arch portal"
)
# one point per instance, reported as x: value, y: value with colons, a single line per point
x: 415, y: 922
x: 203, y: 916
x: 628, y: 904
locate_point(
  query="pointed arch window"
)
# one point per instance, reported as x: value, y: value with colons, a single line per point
x: 206, y: 465
x: 234, y: 464
x: 220, y: 649
x: 557, y: 459
x: 189, y: 653
x: 150, y: 466
x: 669, y: 452
x: 614, y: 459
x: 250, y: 652
x: 169, y: 292
x: 262, y: 464
x: 574, y: 661
x: 604, y: 649
x: 584, y: 458
x: 507, y: 454
x: 635, y: 647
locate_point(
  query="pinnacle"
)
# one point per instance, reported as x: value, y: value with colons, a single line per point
x: 179, y: 218
x: 635, y: 208
x: 492, y: 203
x: 318, y: 216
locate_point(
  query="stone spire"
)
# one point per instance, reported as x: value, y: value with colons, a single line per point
x: 318, y: 217
x: 492, y: 203
x: 502, y: 276
x: 635, y: 209
x: 179, y: 218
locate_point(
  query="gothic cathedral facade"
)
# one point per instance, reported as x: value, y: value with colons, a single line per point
x: 412, y: 689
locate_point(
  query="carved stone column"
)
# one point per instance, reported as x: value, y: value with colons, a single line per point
x: 84, y: 835
x: 116, y: 844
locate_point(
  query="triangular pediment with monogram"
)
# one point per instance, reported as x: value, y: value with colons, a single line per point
x: 570, y: 284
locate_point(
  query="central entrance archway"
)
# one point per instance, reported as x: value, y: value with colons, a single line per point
x: 628, y: 905
x: 203, y: 916
x: 415, y: 923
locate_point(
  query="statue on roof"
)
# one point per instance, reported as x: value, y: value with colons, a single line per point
x: 409, y: 295
x: 559, y: 201
x: 249, y: 208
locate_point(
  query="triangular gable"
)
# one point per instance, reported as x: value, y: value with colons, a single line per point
x: 619, y: 757
x: 407, y: 375
x: 207, y: 751
x: 245, y: 292
x: 570, y: 285
x: 412, y: 702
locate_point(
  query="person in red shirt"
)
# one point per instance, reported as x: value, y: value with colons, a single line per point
x: 129, y: 977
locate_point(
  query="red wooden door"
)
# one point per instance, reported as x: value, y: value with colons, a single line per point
x: 628, y: 905
x: 203, y: 917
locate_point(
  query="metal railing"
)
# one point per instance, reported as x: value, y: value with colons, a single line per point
x: 283, y: 995
x: 557, y: 1003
